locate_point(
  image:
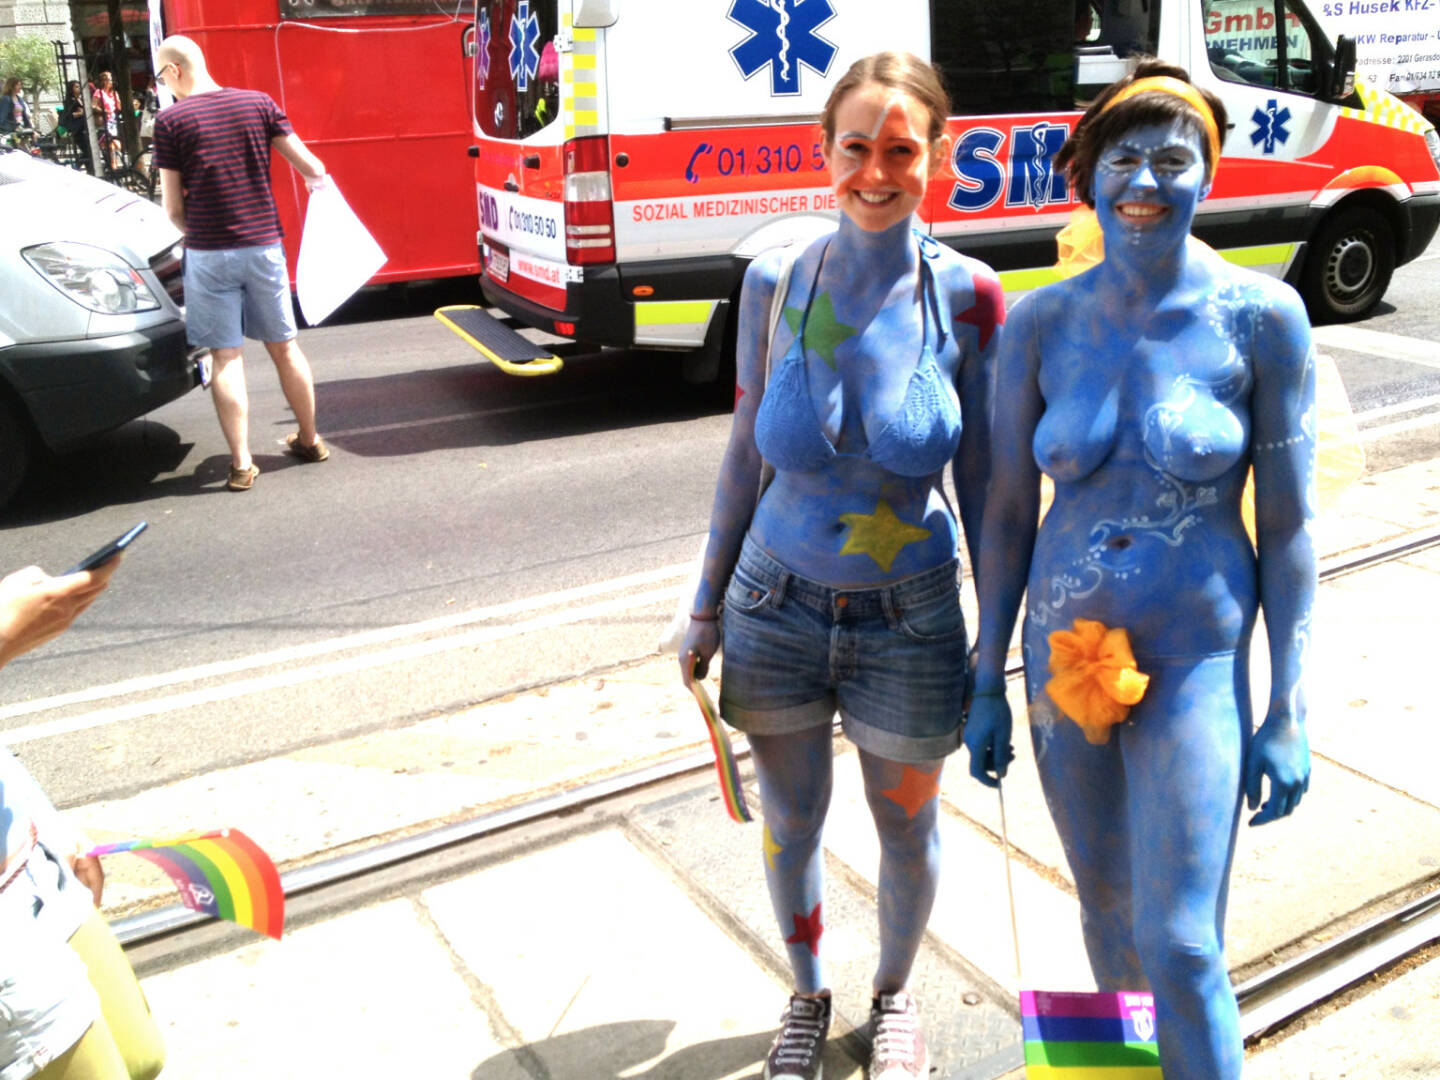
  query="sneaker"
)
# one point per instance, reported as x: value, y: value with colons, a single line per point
x: 897, y: 1048
x: 795, y: 1053
x: 242, y: 479
x: 316, y: 452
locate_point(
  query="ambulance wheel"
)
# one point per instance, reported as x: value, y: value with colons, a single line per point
x: 1348, y: 266
x: 15, y: 447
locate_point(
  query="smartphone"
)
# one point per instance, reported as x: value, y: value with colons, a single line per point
x: 108, y: 552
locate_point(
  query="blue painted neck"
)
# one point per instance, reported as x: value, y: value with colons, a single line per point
x: 886, y: 256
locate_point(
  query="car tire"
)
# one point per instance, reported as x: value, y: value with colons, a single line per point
x: 1348, y: 266
x: 16, y: 447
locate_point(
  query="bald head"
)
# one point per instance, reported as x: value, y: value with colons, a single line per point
x: 191, y: 76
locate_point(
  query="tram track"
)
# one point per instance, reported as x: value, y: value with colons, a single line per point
x: 173, y: 936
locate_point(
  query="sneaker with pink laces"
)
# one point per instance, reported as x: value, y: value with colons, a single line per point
x: 795, y: 1053
x: 897, y: 1047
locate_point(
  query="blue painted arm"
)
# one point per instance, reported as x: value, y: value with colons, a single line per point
x: 739, y: 481
x: 975, y: 384
x: 1283, y: 429
x: 1007, y: 538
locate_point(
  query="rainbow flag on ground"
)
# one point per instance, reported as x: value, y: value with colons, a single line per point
x: 1104, y: 1036
x: 222, y: 873
x: 725, y: 764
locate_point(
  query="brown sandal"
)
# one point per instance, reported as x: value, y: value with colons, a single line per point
x: 242, y: 479
x: 317, y: 452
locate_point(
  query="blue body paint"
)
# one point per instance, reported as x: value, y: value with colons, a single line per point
x: 876, y: 363
x: 1146, y: 388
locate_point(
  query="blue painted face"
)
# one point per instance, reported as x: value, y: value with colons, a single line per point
x: 1148, y: 183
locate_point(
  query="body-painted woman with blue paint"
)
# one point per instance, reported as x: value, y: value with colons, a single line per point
x: 840, y: 587
x: 1146, y: 388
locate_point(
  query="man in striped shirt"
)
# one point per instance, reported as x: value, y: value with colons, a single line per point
x: 212, y: 148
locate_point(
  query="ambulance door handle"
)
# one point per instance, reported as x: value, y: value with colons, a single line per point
x: 511, y: 185
x: 532, y: 161
x: 473, y: 151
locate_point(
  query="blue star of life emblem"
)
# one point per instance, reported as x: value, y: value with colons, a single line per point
x: 524, y: 46
x: 1270, y: 125
x: 482, y: 57
x: 782, y: 35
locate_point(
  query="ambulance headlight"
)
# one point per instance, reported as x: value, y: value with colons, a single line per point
x: 93, y: 277
x: 1432, y: 140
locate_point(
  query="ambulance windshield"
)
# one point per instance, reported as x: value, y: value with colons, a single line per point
x: 517, y: 67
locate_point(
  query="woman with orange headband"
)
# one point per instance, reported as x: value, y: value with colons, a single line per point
x: 1147, y: 387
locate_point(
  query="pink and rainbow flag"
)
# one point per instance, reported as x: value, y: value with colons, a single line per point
x: 222, y: 873
x: 725, y: 764
x: 1103, y: 1036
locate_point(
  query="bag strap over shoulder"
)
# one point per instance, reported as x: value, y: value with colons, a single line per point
x: 788, y: 254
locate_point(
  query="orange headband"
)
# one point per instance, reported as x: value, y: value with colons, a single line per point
x: 1166, y: 84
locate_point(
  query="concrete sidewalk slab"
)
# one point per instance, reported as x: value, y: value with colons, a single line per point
x: 372, y: 993
x: 604, y: 967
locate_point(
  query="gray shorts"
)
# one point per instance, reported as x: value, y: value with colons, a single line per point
x: 235, y: 294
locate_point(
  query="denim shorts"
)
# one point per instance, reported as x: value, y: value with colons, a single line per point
x: 890, y: 659
x: 237, y: 293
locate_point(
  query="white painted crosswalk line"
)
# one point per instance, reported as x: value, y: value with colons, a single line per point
x: 1378, y: 343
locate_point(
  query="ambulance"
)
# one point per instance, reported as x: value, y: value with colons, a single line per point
x: 632, y: 156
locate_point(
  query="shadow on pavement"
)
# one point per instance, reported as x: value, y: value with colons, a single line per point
x: 612, y: 1051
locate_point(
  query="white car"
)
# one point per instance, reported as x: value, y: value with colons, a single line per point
x: 92, y: 319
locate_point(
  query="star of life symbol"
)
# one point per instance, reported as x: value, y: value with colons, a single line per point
x: 782, y: 35
x: 1270, y: 125
x: 482, y: 57
x: 524, y: 46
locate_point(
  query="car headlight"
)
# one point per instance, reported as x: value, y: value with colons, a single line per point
x: 93, y: 277
x: 1432, y: 140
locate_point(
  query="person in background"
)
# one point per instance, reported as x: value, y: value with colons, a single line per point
x: 1147, y: 388
x: 212, y: 148
x: 105, y: 104
x: 67, y: 1011
x: 72, y: 118
x: 840, y: 582
x: 14, y: 109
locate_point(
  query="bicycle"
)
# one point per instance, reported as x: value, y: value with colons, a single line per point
x: 123, y: 175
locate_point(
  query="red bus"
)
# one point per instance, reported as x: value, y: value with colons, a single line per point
x: 380, y: 90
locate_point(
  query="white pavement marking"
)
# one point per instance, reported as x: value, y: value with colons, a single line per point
x: 429, y: 647
x: 363, y: 639
x: 1399, y: 427
x: 1412, y: 405
x: 1389, y: 346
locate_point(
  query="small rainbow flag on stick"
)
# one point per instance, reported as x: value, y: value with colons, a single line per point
x: 222, y: 873
x: 1104, y: 1036
x: 725, y: 764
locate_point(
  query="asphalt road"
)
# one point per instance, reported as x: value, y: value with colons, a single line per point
x: 433, y: 561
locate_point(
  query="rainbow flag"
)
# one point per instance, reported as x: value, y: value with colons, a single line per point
x: 725, y: 764
x: 1089, y: 1036
x: 222, y: 873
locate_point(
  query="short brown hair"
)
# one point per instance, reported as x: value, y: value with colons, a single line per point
x: 1100, y: 126
x: 900, y: 71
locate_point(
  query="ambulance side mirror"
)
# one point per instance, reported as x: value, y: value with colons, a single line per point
x: 596, y: 13
x: 1342, y: 70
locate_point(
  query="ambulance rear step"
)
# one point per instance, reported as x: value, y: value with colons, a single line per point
x: 499, y: 344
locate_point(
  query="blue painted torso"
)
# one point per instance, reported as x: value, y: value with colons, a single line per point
x: 873, y: 418
x: 1148, y: 445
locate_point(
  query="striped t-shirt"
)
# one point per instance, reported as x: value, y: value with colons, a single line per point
x: 219, y: 142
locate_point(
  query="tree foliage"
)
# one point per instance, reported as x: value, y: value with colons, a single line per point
x: 32, y: 59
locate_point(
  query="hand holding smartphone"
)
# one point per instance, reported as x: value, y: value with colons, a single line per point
x: 108, y: 552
